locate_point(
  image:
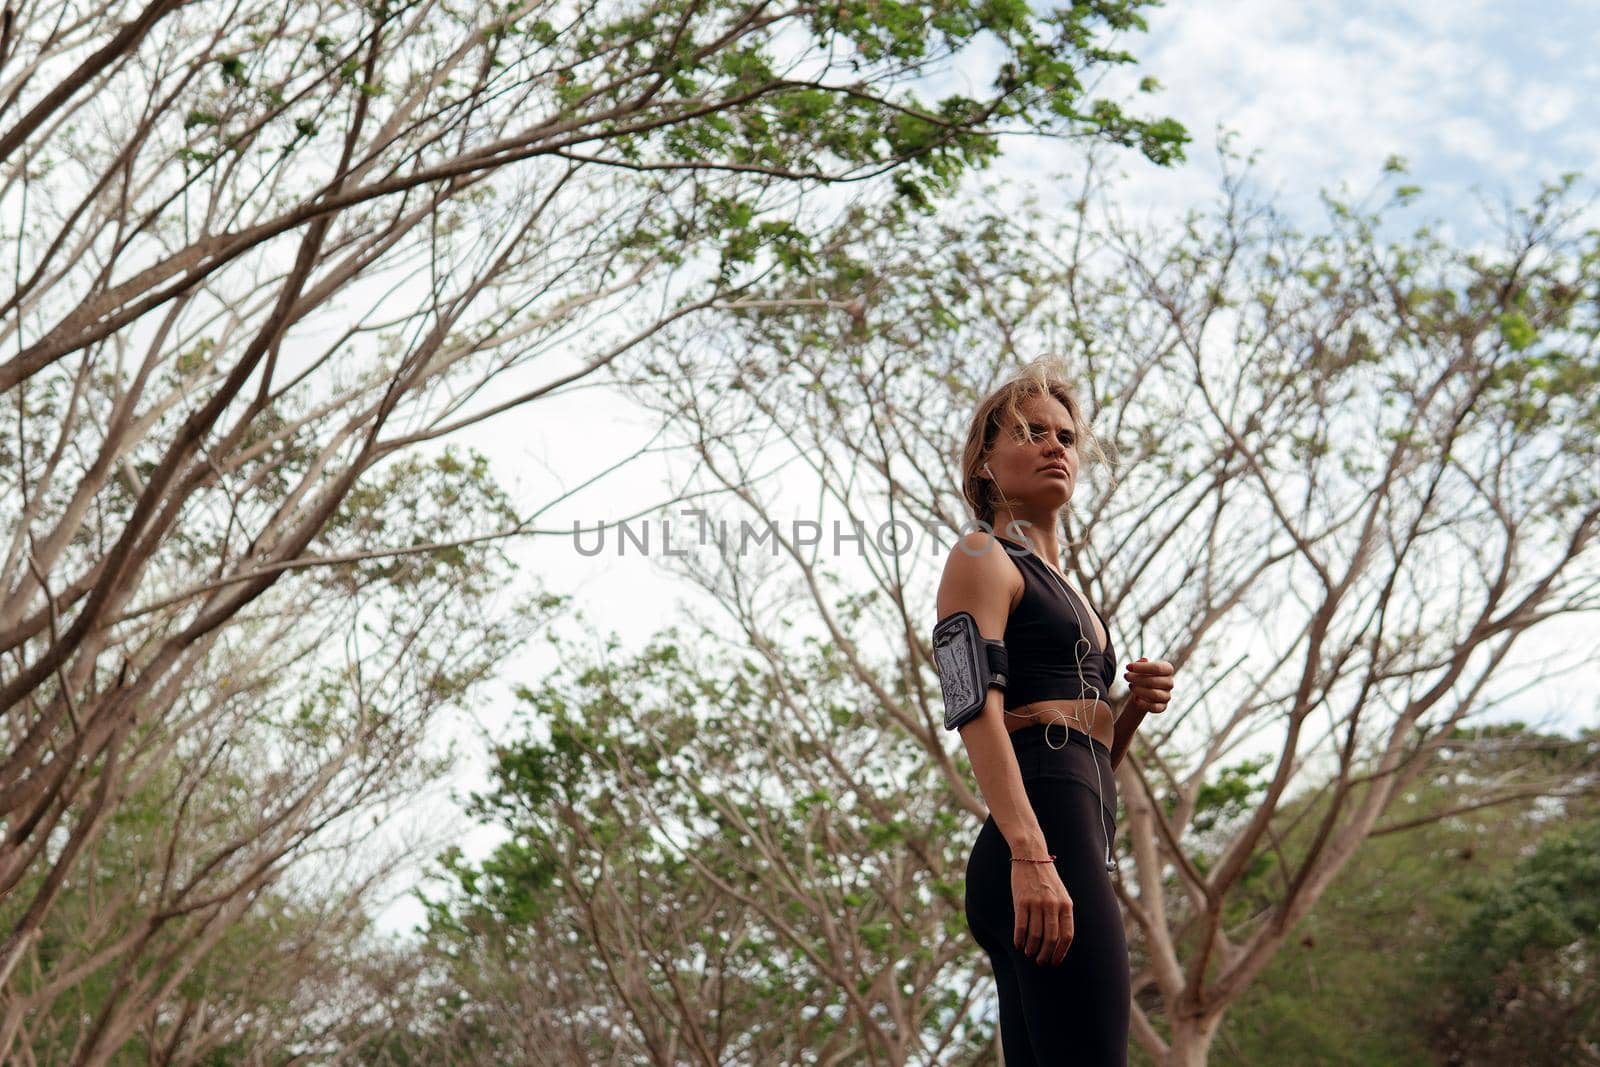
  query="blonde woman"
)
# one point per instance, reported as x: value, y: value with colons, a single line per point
x: 1026, y: 667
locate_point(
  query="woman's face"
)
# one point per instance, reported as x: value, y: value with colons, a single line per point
x: 1040, y: 469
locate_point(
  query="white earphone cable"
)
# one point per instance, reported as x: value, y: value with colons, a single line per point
x: 1081, y: 648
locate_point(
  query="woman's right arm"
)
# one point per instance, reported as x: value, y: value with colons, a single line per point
x: 980, y: 579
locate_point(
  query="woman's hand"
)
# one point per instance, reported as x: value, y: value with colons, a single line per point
x: 1151, y: 684
x: 1043, y: 912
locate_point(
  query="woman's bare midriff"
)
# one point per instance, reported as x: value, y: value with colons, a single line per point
x: 1076, y: 713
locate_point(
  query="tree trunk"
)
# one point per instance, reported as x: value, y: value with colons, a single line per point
x: 1191, y: 1041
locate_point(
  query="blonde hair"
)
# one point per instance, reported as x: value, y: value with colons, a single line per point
x: 1045, y: 376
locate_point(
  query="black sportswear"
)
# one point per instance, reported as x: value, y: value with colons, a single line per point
x: 1044, y: 638
x: 1074, y: 1015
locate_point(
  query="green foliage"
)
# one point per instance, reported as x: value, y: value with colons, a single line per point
x: 1228, y: 794
x: 233, y: 70
x: 1517, y: 331
x: 1364, y: 977
x: 1521, y: 978
x: 232, y: 1006
x: 658, y: 791
x: 821, y: 126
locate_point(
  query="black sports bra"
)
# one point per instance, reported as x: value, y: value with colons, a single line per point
x: 1042, y: 635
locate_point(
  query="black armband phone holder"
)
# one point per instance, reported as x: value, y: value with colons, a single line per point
x: 968, y: 664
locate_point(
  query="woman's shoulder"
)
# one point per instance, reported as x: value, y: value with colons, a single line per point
x: 979, y: 559
x: 983, y: 546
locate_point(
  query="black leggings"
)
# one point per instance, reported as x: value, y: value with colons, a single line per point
x: 1076, y: 1013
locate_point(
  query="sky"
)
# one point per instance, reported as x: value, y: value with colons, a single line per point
x: 1473, y: 94
x: 1485, y: 101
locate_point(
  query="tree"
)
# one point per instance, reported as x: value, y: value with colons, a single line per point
x: 1359, y: 470
x: 269, y: 257
x: 254, y: 992
x: 684, y: 878
x: 1361, y: 980
x: 1519, y: 979
x: 284, y: 735
x: 676, y: 884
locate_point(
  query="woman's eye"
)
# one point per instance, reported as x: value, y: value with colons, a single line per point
x: 1035, y: 434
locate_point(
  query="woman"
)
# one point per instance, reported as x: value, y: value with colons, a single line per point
x: 1041, y: 734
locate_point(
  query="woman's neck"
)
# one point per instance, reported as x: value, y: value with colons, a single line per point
x: 1039, y: 534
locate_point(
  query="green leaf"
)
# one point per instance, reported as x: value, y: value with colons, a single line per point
x: 1517, y: 331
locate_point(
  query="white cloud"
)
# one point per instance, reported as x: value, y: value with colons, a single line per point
x: 1543, y: 105
x: 1327, y: 91
x: 1470, y: 136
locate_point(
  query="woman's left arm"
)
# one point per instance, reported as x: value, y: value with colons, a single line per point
x: 1150, y: 684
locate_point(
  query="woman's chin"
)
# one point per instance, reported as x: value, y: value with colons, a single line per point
x: 1057, y: 491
